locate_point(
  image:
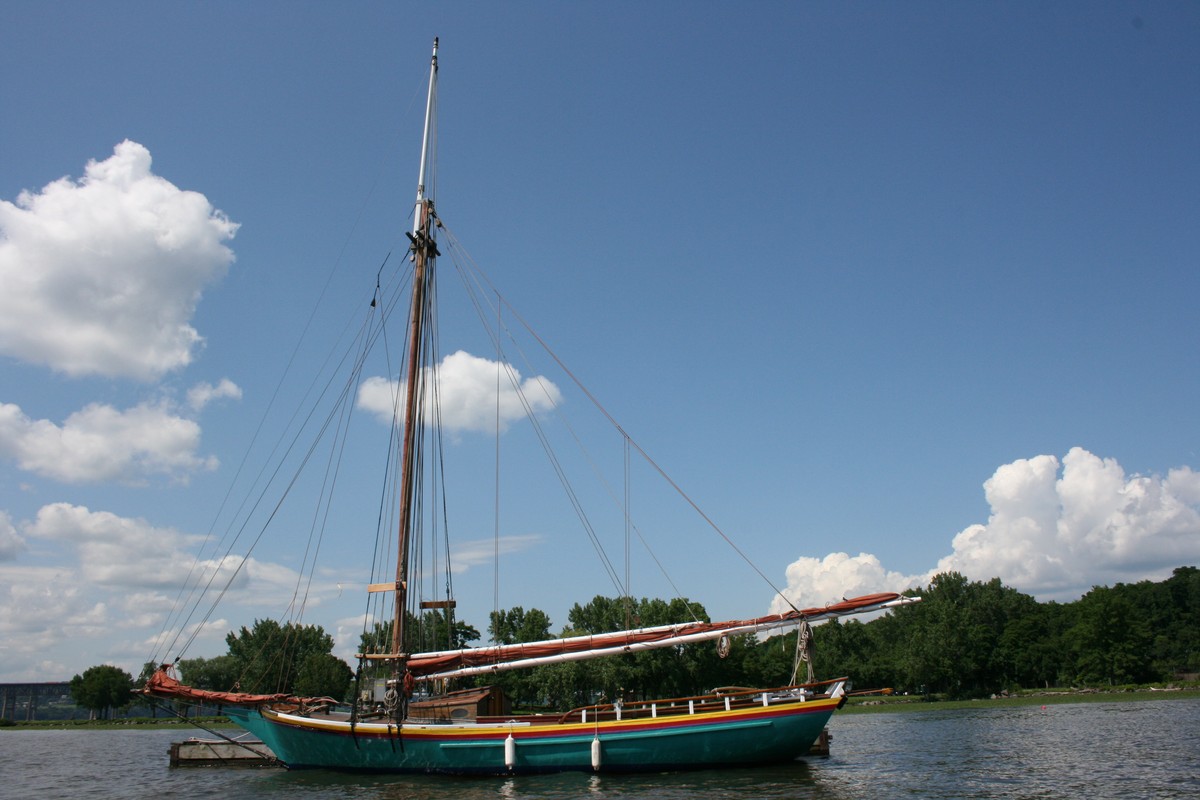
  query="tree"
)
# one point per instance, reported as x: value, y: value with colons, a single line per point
x: 1108, y: 641
x: 430, y: 632
x: 526, y: 688
x: 423, y: 634
x: 518, y: 625
x: 218, y: 674
x: 269, y: 655
x: 101, y: 689
x: 324, y: 675
x: 669, y: 672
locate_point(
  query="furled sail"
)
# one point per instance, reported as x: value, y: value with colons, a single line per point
x: 482, y: 660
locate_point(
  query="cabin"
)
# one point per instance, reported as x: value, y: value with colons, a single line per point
x: 464, y: 705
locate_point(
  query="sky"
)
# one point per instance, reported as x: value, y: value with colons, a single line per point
x: 886, y: 289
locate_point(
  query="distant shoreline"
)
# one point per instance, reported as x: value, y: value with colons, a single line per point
x: 871, y: 704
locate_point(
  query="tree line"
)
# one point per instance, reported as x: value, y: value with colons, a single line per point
x: 971, y: 638
x: 964, y: 639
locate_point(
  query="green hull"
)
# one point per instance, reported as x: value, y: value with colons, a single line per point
x: 741, y: 737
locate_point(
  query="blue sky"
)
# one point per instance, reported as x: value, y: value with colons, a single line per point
x: 886, y: 288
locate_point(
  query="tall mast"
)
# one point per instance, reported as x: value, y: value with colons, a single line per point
x: 424, y: 251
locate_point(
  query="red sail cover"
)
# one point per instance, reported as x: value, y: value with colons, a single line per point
x: 161, y: 684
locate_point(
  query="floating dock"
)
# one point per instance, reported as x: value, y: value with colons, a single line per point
x: 221, y: 753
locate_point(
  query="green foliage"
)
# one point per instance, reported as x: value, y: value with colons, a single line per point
x: 526, y: 688
x: 102, y: 688
x: 679, y: 671
x: 517, y: 625
x: 218, y: 674
x: 430, y: 632
x: 972, y: 638
x: 324, y: 675
x: 1108, y: 641
x: 426, y: 633
x: 376, y: 640
x: 269, y: 656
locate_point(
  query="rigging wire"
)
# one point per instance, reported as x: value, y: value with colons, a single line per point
x: 496, y: 491
x: 479, y: 275
x: 367, y: 336
x: 195, y: 585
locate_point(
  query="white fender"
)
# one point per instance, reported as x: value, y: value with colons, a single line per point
x: 510, y: 751
x: 596, y: 753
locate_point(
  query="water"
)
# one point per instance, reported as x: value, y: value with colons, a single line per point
x: 1095, y: 750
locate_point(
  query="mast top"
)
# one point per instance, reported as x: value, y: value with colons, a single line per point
x: 426, y: 137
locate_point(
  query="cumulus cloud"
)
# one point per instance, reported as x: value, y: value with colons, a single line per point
x: 1055, y: 530
x: 348, y: 635
x: 42, y: 607
x: 101, y: 276
x: 101, y: 443
x: 815, y: 582
x: 142, y: 609
x: 200, y: 395
x: 467, y: 394
x: 116, y: 551
x: 131, y: 554
x: 10, y: 542
x: 118, y: 573
x: 208, y: 633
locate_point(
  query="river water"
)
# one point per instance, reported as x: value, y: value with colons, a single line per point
x: 1147, y: 749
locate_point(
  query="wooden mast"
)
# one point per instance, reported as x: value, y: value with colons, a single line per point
x: 424, y: 251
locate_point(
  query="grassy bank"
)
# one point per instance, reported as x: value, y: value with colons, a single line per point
x: 878, y: 704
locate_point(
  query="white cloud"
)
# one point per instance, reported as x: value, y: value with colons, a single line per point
x: 814, y: 582
x: 348, y: 635
x: 116, y: 551
x: 102, y: 276
x: 210, y: 632
x: 475, y: 552
x: 204, y: 393
x: 119, y: 574
x: 143, y: 609
x: 467, y: 394
x: 10, y: 542
x: 129, y: 553
x: 1053, y: 535
x: 100, y: 443
x: 43, y: 607
x: 1055, y: 530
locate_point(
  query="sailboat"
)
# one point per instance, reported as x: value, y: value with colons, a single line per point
x: 407, y: 721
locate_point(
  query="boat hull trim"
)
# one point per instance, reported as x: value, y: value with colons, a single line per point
x: 769, y: 732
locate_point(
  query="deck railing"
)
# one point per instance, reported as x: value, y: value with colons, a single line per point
x: 723, y: 699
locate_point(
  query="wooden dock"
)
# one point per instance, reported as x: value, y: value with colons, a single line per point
x: 221, y: 753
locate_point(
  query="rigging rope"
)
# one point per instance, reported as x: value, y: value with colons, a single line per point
x: 471, y: 275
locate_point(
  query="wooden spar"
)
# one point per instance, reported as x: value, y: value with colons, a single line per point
x: 423, y: 253
x: 479, y: 661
